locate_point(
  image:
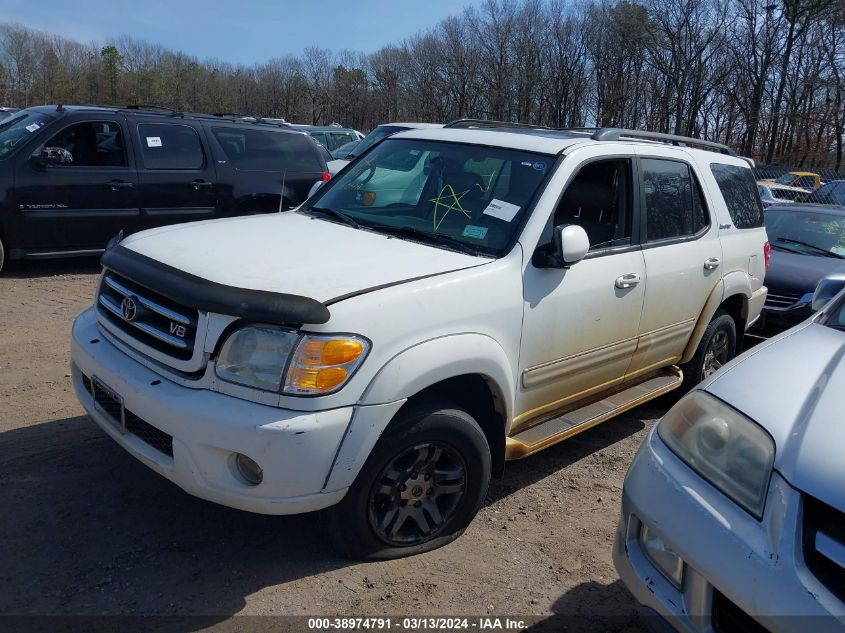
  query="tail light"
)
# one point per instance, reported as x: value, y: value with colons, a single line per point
x: 767, y: 254
x: 326, y: 176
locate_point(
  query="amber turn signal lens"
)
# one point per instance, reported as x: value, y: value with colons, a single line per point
x: 311, y: 379
x: 341, y: 351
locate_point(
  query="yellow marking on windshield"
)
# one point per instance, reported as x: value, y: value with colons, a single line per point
x: 443, y: 200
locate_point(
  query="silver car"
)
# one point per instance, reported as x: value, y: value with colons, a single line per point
x: 733, y: 510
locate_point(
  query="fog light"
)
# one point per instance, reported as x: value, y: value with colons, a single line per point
x: 248, y: 469
x: 661, y: 555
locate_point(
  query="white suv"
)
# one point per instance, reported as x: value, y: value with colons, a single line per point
x: 456, y: 298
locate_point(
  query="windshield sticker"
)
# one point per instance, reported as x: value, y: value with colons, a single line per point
x: 448, y: 200
x: 501, y: 210
x: 153, y: 141
x: 475, y: 232
x: 33, y: 127
x: 539, y: 166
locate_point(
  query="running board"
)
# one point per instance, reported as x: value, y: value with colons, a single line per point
x: 556, y: 429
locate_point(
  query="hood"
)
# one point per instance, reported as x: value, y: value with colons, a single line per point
x: 294, y: 254
x: 794, y: 387
x: 790, y: 273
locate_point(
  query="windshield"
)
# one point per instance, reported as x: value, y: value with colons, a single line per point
x: 375, y: 136
x: 807, y: 232
x: 434, y: 191
x: 18, y: 129
x: 786, y: 179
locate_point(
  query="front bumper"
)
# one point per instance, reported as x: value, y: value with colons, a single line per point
x: 296, y: 450
x: 757, y: 565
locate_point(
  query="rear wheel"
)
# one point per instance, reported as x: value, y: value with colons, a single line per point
x: 2, y: 253
x: 717, y: 347
x: 420, y: 487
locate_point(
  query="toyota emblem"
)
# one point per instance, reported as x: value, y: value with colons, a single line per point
x: 129, y: 308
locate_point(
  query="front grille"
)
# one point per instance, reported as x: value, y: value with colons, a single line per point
x: 824, y: 544
x: 147, y: 316
x: 131, y: 423
x: 729, y: 618
x: 781, y: 301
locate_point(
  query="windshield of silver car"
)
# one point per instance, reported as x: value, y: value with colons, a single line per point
x: 451, y: 195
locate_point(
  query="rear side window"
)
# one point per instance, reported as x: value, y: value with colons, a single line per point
x: 740, y: 193
x: 170, y: 146
x: 265, y: 150
x: 673, y: 202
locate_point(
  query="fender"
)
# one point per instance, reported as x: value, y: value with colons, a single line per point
x: 734, y: 283
x: 408, y: 373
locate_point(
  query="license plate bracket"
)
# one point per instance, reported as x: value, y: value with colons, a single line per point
x: 110, y: 403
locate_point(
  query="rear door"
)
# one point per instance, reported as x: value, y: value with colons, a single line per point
x: 79, y: 205
x: 176, y: 175
x: 683, y: 258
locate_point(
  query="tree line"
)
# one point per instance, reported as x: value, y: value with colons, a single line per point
x: 767, y: 77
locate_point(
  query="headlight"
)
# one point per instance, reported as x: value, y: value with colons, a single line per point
x: 723, y: 446
x: 256, y: 356
x: 274, y: 359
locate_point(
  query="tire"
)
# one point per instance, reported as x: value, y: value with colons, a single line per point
x: 2, y: 254
x: 392, y: 509
x: 717, y: 347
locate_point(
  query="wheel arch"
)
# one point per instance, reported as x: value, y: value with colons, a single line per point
x: 471, y: 370
x: 732, y: 295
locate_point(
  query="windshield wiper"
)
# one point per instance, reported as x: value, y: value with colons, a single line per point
x: 435, y: 238
x: 818, y: 249
x: 340, y: 215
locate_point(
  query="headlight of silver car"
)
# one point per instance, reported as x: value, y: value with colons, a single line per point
x: 275, y: 359
x: 723, y: 446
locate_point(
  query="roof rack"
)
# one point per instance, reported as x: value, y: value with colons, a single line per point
x: 485, y: 123
x: 140, y: 106
x: 616, y: 134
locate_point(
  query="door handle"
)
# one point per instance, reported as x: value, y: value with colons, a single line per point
x: 114, y: 185
x: 712, y: 263
x: 627, y: 281
x: 201, y: 184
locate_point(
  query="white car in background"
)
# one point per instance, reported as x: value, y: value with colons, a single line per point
x: 378, y: 133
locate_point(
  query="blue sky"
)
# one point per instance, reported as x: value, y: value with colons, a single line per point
x: 239, y: 31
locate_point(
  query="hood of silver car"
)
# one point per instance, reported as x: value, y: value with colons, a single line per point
x: 794, y: 387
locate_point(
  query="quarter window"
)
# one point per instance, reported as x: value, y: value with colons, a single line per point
x: 674, y: 204
x: 169, y: 146
x: 91, y: 144
x: 739, y: 191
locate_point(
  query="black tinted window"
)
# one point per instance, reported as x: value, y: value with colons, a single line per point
x: 740, y: 193
x: 170, y: 146
x: 673, y: 202
x: 91, y: 144
x: 266, y: 150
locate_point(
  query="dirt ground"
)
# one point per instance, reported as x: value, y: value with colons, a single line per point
x: 86, y: 529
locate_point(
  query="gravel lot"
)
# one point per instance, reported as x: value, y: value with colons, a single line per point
x: 88, y: 530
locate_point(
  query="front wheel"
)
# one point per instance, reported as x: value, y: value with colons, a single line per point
x: 717, y: 347
x: 419, y: 489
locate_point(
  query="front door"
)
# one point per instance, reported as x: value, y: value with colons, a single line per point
x: 177, y: 178
x: 84, y: 202
x: 581, y: 324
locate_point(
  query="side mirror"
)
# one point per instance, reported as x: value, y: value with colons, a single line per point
x: 53, y: 156
x: 569, y: 246
x: 315, y: 187
x: 826, y: 290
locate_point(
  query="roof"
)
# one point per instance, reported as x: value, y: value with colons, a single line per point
x: 413, y: 126
x: 792, y: 207
x: 544, y: 141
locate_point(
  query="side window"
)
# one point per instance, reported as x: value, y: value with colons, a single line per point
x: 92, y: 144
x: 170, y: 146
x: 263, y: 150
x: 837, y: 196
x: 339, y: 138
x: 739, y: 191
x: 674, y: 204
x: 599, y: 200
x: 321, y: 138
x: 806, y: 181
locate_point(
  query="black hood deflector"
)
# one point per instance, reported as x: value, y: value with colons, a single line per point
x: 202, y: 294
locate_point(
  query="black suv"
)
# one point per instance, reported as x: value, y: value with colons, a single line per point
x: 72, y: 177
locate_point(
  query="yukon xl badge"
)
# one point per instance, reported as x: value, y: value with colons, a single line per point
x: 129, y: 308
